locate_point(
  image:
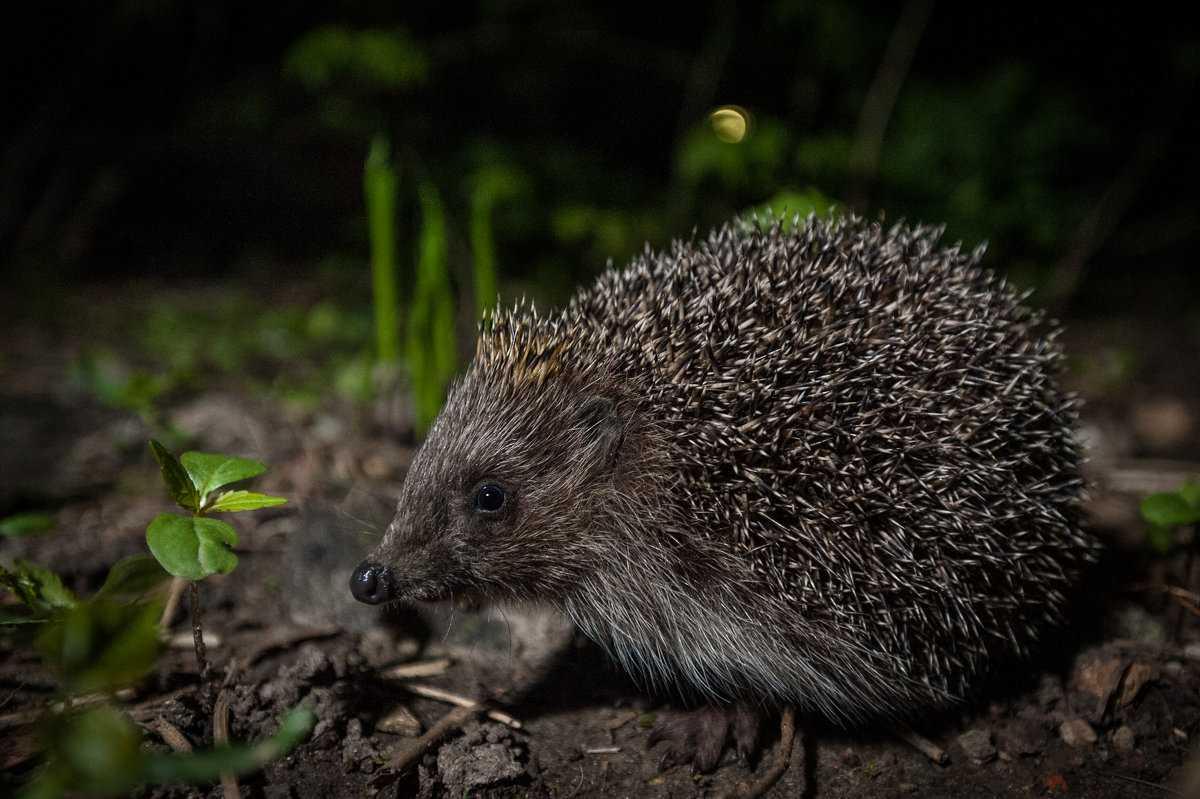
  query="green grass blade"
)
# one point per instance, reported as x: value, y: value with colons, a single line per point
x: 379, y: 183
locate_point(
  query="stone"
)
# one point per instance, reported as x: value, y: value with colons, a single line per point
x: 400, y: 721
x: 977, y: 745
x: 482, y: 758
x: 1077, y: 732
x: 1123, y: 739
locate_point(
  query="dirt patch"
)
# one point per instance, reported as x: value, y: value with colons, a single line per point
x: 1110, y: 710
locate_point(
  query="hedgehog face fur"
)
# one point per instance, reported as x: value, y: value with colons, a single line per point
x: 826, y: 465
x: 482, y: 511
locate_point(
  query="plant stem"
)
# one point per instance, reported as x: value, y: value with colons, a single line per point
x: 881, y: 97
x: 379, y: 182
x: 197, y: 631
x: 1188, y: 565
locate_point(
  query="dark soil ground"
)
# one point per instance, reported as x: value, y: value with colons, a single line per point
x: 1111, y: 709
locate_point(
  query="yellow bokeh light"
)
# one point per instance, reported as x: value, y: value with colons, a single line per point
x: 730, y: 123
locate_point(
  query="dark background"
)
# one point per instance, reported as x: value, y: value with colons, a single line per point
x: 174, y: 139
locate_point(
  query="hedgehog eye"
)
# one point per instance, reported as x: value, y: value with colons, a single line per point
x: 489, y: 498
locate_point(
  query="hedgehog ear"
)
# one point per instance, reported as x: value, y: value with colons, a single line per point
x: 598, y: 417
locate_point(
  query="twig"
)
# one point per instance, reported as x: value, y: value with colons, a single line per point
x: 178, y: 584
x: 1188, y: 567
x: 1145, y: 475
x: 783, y: 758
x: 602, y: 750
x: 1144, y: 783
x: 187, y: 640
x: 231, y: 673
x: 1100, y: 222
x: 139, y: 712
x: 447, y: 724
x: 420, y: 668
x: 920, y: 743
x: 171, y: 734
x: 1188, y: 600
x: 21, y: 718
x: 705, y: 72
x: 229, y: 784
x: 1168, y: 111
x: 197, y: 631
x: 430, y: 692
x: 885, y: 89
x: 700, y: 88
x: 621, y: 720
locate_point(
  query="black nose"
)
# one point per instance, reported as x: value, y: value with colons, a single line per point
x: 371, y: 583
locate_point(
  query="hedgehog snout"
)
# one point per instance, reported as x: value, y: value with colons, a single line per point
x: 372, y: 583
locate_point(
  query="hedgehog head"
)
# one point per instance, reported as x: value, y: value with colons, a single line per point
x: 498, y: 501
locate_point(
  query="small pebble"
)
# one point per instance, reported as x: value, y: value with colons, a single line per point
x: 1077, y: 732
x: 1097, y: 675
x: 1123, y: 739
x: 400, y: 721
x: 977, y: 745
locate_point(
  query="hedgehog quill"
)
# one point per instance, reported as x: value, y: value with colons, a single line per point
x: 825, y: 465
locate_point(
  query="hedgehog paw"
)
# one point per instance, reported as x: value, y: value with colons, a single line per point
x: 701, y: 736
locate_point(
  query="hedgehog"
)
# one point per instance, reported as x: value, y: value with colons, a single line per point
x: 816, y: 464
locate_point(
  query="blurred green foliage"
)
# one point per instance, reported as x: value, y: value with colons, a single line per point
x: 28, y: 523
x: 790, y: 206
x: 296, y: 352
x: 113, y: 382
x: 100, y: 644
x: 372, y: 59
x: 40, y: 590
x: 706, y: 162
x: 1168, y: 510
x: 99, y: 751
x: 985, y: 157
